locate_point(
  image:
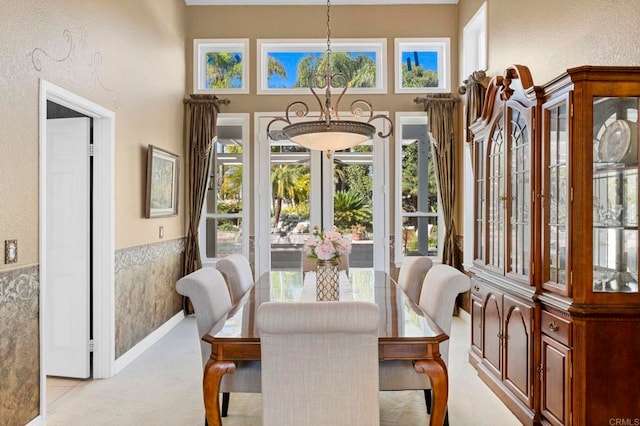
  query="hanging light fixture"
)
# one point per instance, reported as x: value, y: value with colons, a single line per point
x: 330, y: 132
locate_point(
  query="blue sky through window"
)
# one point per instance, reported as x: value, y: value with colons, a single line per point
x: 290, y: 60
x: 428, y: 59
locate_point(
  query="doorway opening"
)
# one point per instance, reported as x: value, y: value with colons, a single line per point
x: 100, y: 124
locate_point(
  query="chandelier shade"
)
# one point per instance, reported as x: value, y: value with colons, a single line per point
x: 333, y: 137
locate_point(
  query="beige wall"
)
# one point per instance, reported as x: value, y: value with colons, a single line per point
x: 293, y: 22
x: 556, y: 35
x: 127, y: 56
x: 466, y: 10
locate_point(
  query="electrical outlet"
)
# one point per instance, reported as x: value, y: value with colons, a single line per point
x: 10, y: 251
x: 161, y: 232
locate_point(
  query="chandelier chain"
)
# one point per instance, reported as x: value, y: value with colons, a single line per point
x: 328, y: 26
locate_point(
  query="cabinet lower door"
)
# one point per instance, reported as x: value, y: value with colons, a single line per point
x: 518, y: 349
x: 476, y: 325
x: 492, y: 336
x: 556, y: 381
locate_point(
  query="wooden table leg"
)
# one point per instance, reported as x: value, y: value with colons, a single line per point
x: 437, y: 372
x: 213, y: 372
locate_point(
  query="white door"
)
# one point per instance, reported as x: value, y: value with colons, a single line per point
x: 68, y: 243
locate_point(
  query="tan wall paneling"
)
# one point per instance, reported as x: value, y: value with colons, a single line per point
x: 145, y: 290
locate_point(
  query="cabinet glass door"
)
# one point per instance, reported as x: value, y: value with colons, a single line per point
x: 615, y: 194
x: 497, y: 197
x: 520, y: 194
x: 556, y: 203
x: 481, y: 201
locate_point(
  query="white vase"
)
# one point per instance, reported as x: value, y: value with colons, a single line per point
x: 327, y: 281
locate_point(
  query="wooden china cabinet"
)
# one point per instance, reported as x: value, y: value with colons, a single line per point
x: 555, y: 300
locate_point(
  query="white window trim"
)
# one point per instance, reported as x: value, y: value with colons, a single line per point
x: 203, y: 46
x: 474, y: 57
x: 442, y: 46
x: 230, y: 119
x: 474, y: 42
x: 402, y: 118
x: 264, y: 46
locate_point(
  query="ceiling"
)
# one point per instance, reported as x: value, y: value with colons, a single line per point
x: 309, y: 2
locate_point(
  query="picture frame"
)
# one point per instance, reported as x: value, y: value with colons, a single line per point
x: 288, y: 54
x: 231, y: 76
x: 431, y: 56
x: 163, y: 170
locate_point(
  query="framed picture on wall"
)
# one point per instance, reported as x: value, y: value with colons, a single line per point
x: 163, y: 169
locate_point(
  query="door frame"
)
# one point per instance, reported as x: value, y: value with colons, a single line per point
x: 262, y: 193
x: 103, y: 228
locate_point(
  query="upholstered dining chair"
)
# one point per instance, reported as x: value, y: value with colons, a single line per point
x: 412, y: 272
x: 310, y: 264
x: 208, y: 292
x: 440, y: 287
x: 237, y: 271
x: 319, y: 363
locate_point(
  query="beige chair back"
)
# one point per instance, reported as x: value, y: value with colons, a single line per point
x: 441, y: 286
x: 237, y: 270
x: 207, y: 290
x: 412, y: 272
x: 319, y: 363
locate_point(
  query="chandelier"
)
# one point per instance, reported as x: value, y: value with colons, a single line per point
x: 329, y: 132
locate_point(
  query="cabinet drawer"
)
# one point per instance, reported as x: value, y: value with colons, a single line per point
x: 556, y: 327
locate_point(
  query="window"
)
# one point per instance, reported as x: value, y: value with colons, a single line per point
x: 474, y: 57
x: 224, y: 221
x: 285, y: 66
x: 221, y: 66
x: 417, y: 221
x: 422, y: 65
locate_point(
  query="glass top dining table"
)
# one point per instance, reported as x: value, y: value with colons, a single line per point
x: 405, y: 331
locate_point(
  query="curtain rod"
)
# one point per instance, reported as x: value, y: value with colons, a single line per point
x: 436, y: 98
x: 477, y: 77
x: 206, y: 99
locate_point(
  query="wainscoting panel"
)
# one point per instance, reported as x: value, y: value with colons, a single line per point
x: 145, y: 281
x: 19, y: 346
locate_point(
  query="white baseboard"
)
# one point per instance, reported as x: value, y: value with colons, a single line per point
x: 35, y: 422
x: 147, y: 342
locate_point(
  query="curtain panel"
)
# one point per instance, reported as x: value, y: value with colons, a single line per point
x: 200, y: 117
x: 439, y: 109
x: 475, y: 89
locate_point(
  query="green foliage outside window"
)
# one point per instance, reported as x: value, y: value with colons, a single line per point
x: 224, y: 70
x: 418, y: 77
x: 351, y: 208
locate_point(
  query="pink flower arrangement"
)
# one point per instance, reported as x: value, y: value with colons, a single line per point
x: 323, y: 245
